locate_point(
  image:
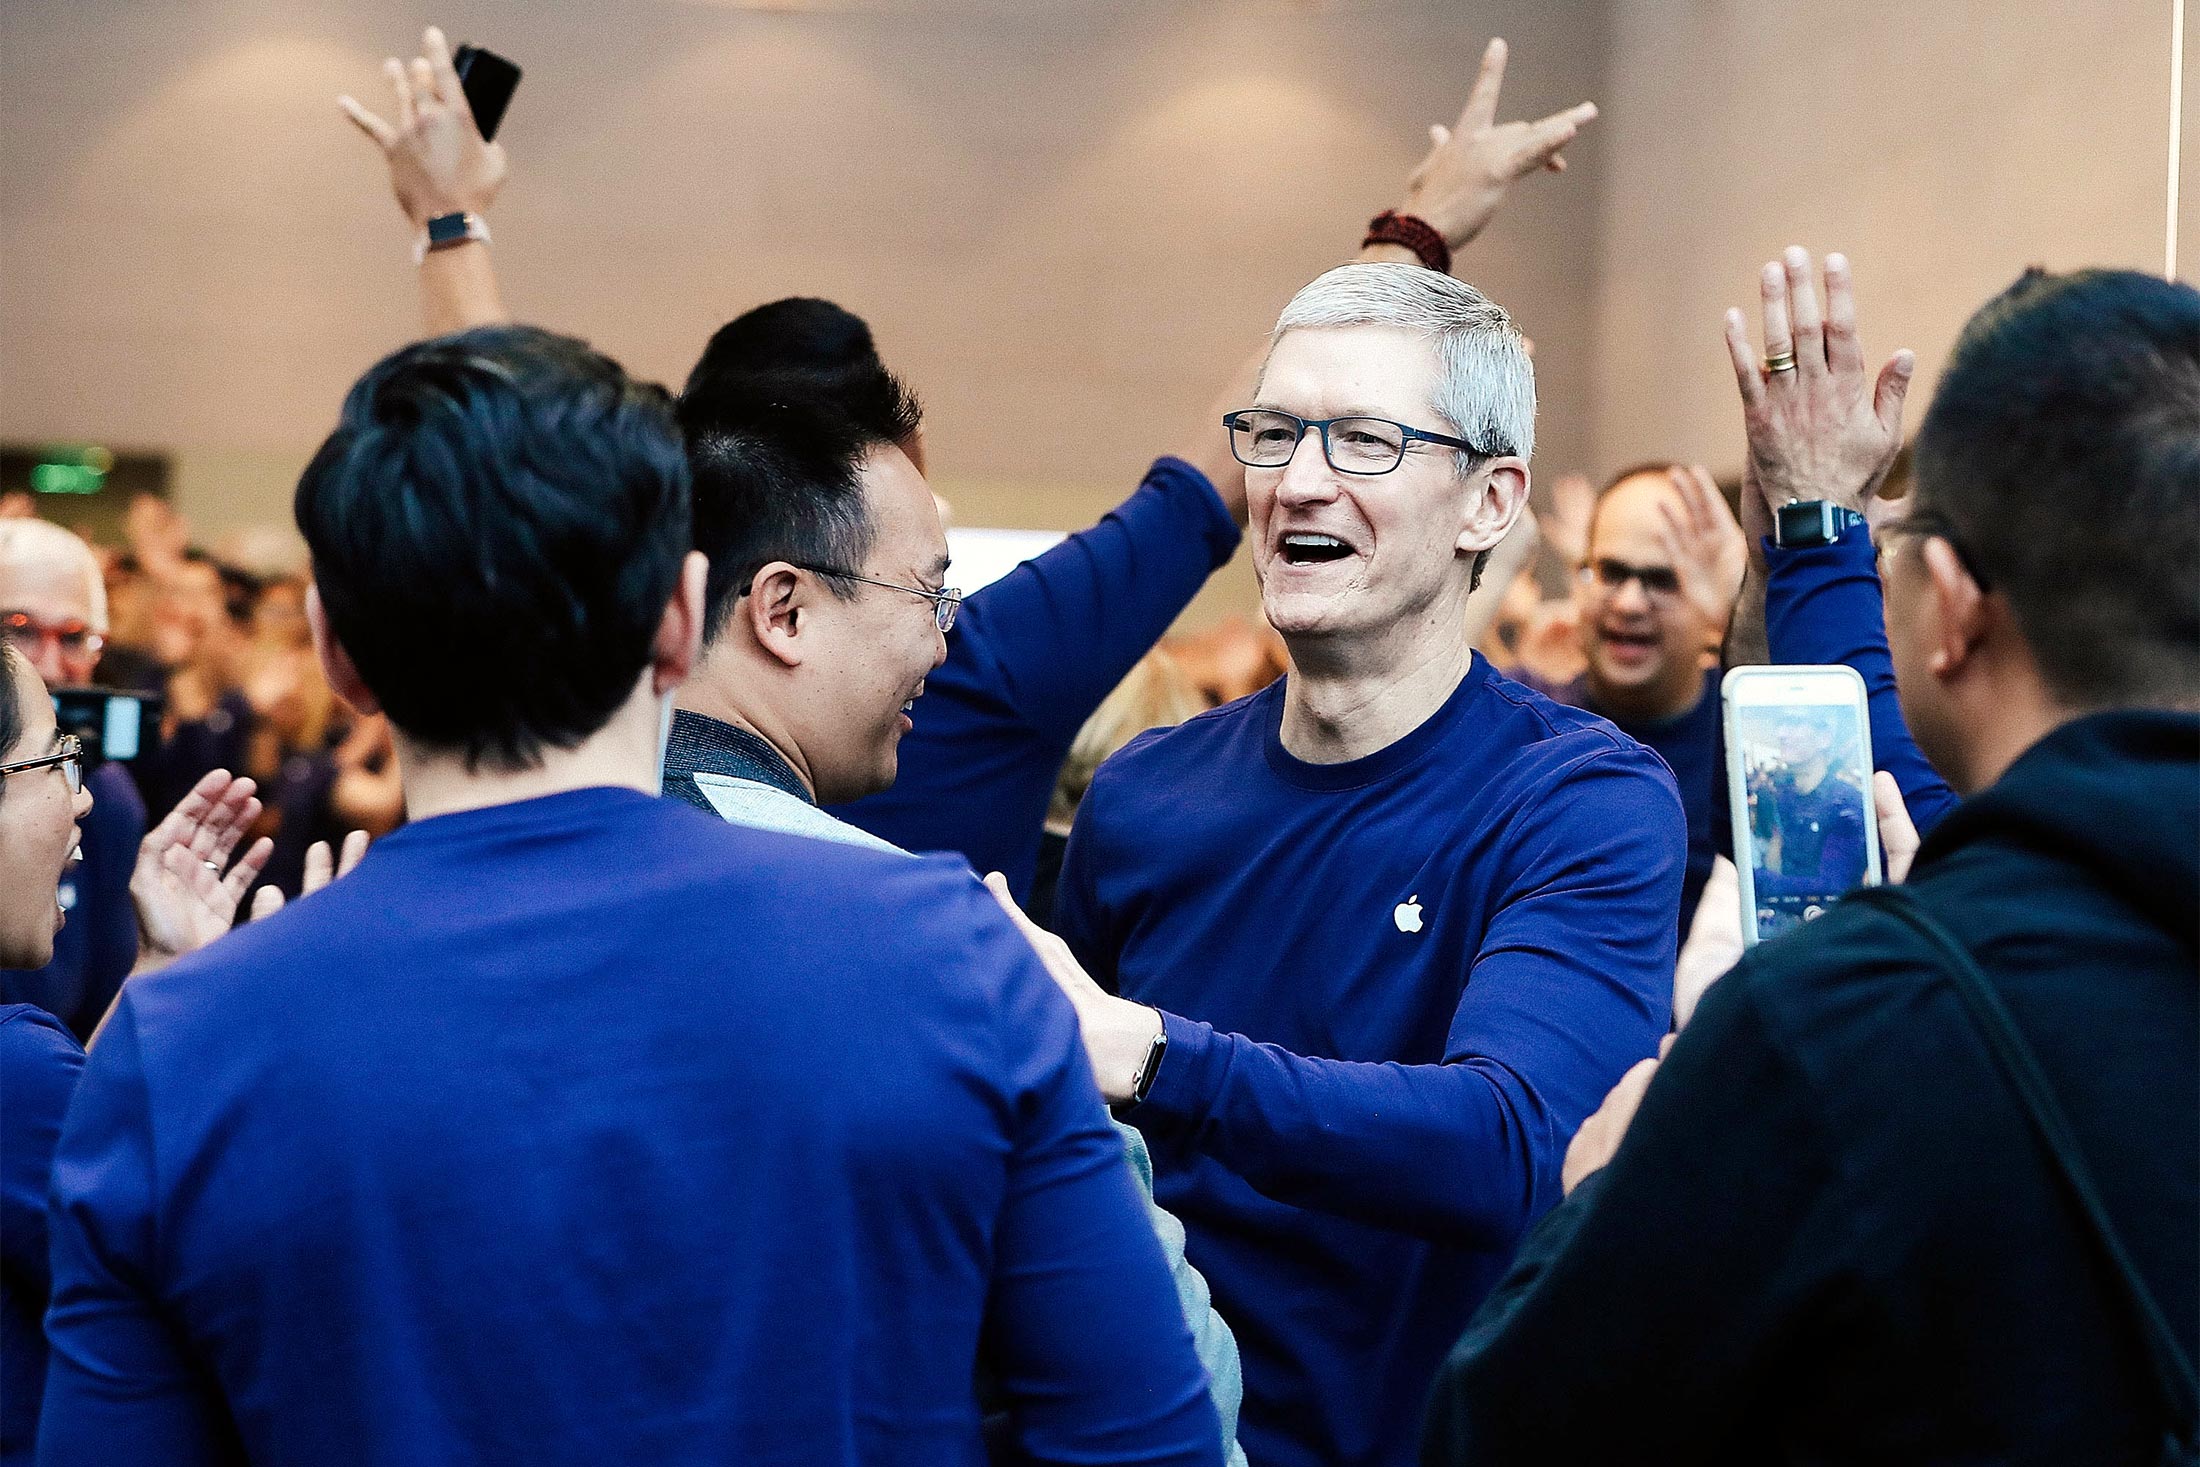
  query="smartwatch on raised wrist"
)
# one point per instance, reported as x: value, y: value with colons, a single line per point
x: 445, y: 230
x: 1801, y: 523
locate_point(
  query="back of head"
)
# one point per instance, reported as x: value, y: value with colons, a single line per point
x: 776, y: 454
x: 497, y: 525
x: 825, y: 351
x: 2063, y: 450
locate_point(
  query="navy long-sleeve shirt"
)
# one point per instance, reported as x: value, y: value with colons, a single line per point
x: 590, y: 1129
x: 1032, y: 656
x: 96, y: 948
x: 1392, y: 989
x: 39, y: 1062
x: 1824, y: 605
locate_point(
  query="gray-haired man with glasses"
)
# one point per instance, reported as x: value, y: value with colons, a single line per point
x: 1371, y: 943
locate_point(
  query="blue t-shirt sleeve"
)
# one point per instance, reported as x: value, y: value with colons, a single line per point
x: 1083, y: 1329
x: 39, y: 1063
x: 1571, y: 985
x: 1058, y: 632
x: 118, y: 1387
x: 1824, y: 605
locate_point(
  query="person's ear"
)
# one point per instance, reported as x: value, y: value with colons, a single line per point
x: 336, y: 665
x: 778, y: 607
x: 1496, y: 495
x: 1959, y: 610
x: 680, y: 633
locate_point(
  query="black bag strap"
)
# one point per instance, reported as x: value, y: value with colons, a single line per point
x: 2173, y: 1372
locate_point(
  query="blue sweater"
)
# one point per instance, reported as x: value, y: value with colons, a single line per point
x: 1030, y: 659
x: 1693, y: 746
x: 1824, y: 605
x: 589, y: 1129
x: 1393, y: 988
x: 39, y: 1062
x: 96, y: 948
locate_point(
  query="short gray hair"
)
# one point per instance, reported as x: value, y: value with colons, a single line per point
x: 1485, y: 385
x: 35, y: 542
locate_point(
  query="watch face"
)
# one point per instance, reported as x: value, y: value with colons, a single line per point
x: 444, y: 228
x: 1802, y: 522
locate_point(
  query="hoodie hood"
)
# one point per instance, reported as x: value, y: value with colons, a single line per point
x: 2117, y: 794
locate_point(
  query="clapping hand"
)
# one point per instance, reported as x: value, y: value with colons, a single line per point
x: 1458, y: 187
x: 1819, y: 425
x: 1704, y: 543
x: 439, y: 163
x: 183, y: 897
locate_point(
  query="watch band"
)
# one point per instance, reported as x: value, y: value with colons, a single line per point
x: 1143, y: 1085
x: 445, y: 230
x: 1802, y: 523
x: 1417, y: 235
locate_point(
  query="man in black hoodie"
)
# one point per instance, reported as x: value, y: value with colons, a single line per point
x: 1834, y: 1233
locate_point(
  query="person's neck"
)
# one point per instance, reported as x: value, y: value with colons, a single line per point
x: 716, y: 691
x: 623, y: 754
x: 1659, y: 701
x: 1344, y: 702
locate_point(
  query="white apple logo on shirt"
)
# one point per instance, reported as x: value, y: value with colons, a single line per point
x: 1408, y: 914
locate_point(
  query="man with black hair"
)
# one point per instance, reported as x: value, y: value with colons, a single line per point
x: 1035, y: 652
x: 1920, y: 1181
x: 573, y: 1127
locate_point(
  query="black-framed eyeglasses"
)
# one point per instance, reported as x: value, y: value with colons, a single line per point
x: 1264, y: 439
x: 1610, y: 574
x: 1939, y: 527
x: 69, y: 754
x: 946, y: 602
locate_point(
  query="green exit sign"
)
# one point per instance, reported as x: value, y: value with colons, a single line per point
x: 72, y: 470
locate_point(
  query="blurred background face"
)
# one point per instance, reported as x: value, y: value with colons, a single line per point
x: 875, y: 649
x: 1641, y: 640
x: 46, y: 612
x: 38, y: 832
x: 1338, y: 554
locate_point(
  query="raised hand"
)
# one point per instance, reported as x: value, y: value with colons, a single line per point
x: 183, y: 897
x: 322, y: 867
x: 1704, y: 542
x: 1463, y: 180
x: 1566, y: 530
x: 438, y: 161
x: 1819, y: 425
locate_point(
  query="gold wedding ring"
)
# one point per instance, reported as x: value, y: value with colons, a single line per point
x: 1781, y: 362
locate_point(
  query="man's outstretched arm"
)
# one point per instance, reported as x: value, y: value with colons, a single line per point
x: 439, y: 165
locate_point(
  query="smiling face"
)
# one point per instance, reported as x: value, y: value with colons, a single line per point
x: 1345, y: 556
x: 1642, y: 639
x: 38, y: 828
x: 874, y: 649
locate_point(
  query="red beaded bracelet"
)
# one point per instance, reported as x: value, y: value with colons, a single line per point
x: 1417, y: 235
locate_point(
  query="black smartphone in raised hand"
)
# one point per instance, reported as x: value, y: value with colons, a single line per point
x: 489, y: 81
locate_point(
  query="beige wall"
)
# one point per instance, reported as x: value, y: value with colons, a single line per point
x: 1065, y: 220
x: 1943, y: 146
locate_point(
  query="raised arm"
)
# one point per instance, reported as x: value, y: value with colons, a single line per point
x: 1828, y: 429
x: 439, y: 165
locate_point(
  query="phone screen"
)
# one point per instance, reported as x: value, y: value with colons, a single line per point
x: 1801, y: 756
x: 489, y: 81
x: 114, y: 726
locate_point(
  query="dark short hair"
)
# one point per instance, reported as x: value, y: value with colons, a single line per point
x: 2063, y: 450
x: 778, y: 417
x: 497, y: 524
